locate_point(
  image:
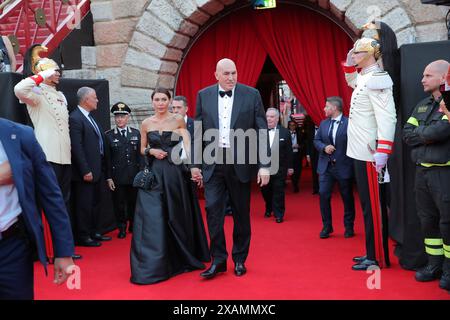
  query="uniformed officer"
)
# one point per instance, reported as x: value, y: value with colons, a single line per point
x: 123, y: 164
x: 48, y: 111
x: 49, y: 114
x: 371, y: 130
x: 427, y: 131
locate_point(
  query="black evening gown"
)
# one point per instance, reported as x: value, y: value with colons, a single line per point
x: 168, y: 235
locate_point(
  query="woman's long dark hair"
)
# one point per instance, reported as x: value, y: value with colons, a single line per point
x: 161, y: 90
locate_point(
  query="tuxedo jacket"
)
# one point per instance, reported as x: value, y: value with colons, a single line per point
x: 343, y: 164
x: 283, y: 143
x: 86, y: 156
x: 247, y: 113
x: 35, y: 182
x: 190, y: 126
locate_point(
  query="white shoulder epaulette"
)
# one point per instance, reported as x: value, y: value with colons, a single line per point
x: 379, y: 80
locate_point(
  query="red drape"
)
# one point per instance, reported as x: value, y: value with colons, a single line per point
x: 307, y: 50
x: 232, y: 37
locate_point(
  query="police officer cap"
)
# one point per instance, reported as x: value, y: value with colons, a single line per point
x: 120, y: 108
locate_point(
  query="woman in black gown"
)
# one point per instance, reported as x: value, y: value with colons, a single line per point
x: 169, y: 236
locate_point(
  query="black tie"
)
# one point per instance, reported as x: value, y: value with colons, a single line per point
x: 330, y: 133
x: 123, y: 132
x: 228, y: 93
x: 97, y: 130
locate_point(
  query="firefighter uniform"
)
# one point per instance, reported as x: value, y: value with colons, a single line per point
x: 123, y: 164
x: 427, y: 131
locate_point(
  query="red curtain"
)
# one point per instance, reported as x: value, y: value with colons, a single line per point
x: 232, y: 37
x: 307, y: 50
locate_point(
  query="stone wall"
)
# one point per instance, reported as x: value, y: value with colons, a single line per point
x: 139, y: 43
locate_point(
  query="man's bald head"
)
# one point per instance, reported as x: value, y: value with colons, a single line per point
x: 439, y: 66
x: 226, y: 74
x: 434, y: 76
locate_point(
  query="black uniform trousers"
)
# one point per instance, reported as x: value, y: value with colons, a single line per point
x: 432, y: 187
x: 274, y: 195
x: 364, y: 197
x: 16, y: 268
x: 326, y: 183
x: 124, y: 199
x: 297, y: 166
x: 63, y: 174
x: 222, y: 182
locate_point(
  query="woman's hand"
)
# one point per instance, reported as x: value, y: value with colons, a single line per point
x: 158, y: 153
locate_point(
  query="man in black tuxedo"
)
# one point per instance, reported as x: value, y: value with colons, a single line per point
x: 334, y: 165
x: 224, y: 110
x: 298, y: 138
x: 281, y: 149
x: 180, y: 106
x: 88, y: 156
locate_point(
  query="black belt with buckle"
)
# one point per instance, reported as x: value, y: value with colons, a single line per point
x: 11, y: 231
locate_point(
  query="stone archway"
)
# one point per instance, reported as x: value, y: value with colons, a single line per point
x: 140, y: 43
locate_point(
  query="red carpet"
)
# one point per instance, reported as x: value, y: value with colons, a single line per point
x: 287, y: 261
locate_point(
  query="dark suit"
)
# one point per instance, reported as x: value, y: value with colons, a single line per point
x: 35, y: 182
x: 273, y: 192
x: 335, y: 167
x: 123, y: 163
x: 86, y: 157
x: 190, y: 126
x: 234, y: 179
x: 297, y: 157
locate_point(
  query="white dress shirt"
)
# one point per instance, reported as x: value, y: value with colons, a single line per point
x: 294, y: 140
x: 183, y: 152
x: 272, y: 135
x: 337, y: 121
x: 9, y: 200
x: 225, y: 109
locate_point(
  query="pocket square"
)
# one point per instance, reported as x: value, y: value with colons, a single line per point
x: 282, y: 139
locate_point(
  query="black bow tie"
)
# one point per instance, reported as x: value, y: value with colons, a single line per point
x: 228, y: 93
x: 272, y: 129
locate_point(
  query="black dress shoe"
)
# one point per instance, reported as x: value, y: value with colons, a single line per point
x: 76, y: 256
x: 239, y: 269
x: 89, y: 242
x: 359, y: 258
x: 325, y: 233
x: 349, y: 233
x: 279, y: 220
x: 267, y: 214
x: 364, y: 265
x: 213, y: 270
x: 99, y: 237
x: 122, y: 234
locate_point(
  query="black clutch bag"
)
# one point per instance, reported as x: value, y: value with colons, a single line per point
x: 145, y: 179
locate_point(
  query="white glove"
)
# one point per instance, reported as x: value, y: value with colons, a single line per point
x: 47, y: 73
x: 380, y: 160
x: 349, y: 62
